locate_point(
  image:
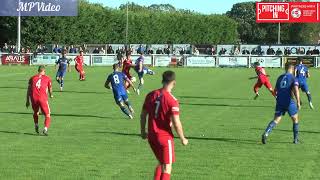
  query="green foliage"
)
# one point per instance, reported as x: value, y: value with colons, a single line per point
x: 251, y: 32
x: 100, y: 25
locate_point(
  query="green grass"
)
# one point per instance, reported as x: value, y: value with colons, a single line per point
x: 90, y: 138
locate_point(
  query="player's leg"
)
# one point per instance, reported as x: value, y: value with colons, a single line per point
x: 167, y: 146
x: 124, y: 109
x: 127, y: 102
x: 78, y: 70
x: 35, y: 107
x: 276, y: 120
x: 83, y: 74
x: 141, y: 82
x: 268, y: 85
x: 305, y: 88
x: 256, y: 88
x: 46, y: 111
x: 293, y: 112
x: 62, y: 80
x: 155, y: 147
x: 58, y: 77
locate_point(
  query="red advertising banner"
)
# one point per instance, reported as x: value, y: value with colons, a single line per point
x: 15, y: 59
x: 288, y: 12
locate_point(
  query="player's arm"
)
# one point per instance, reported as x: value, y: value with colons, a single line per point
x: 69, y: 67
x: 140, y: 66
x: 131, y: 84
x: 107, y: 84
x: 56, y: 66
x: 297, y: 95
x: 143, y: 121
x: 50, y: 89
x: 178, y: 127
x: 28, y: 94
x: 308, y: 74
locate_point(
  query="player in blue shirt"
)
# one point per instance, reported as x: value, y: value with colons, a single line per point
x: 62, y: 65
x: 141, y: 70
x: 302, y: 73
x: 286, y: 85
x: 115, y: 81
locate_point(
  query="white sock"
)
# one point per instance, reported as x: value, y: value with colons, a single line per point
x: 45, y: 128
x: 36, y: 125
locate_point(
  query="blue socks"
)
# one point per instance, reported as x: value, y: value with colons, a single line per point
x: 271, y: 125
x: 295, y: 130
x: 61, y: 83
x: 309, y: 97
x: 125, y: 110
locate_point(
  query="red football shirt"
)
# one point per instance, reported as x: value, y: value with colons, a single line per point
x: 126, y: 67
x: 79, y: 61
x: 160, y: 105
x: 260, y: 71
x: 39, y: 85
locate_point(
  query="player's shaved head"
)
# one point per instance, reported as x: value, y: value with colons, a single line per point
x: 289, y: 66
x: 41, y: 69
x: 300, y: 60
x: 115, y: 66
x: 256, y: 64
x: 168, y: 77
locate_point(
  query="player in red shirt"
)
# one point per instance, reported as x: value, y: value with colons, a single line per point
x: 79, y: 66
x: 162, y: 110
x: 38, y: 87
x: 127, y: 64
x: 262, y: 80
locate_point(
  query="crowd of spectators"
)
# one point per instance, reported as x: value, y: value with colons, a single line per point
x: 211, y: 50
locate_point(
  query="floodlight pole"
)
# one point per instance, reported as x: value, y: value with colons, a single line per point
x: 127, y: 23
x: 279, y: 33
x: 19, y: 34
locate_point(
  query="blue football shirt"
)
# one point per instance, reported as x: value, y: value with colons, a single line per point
x: 284, y: 86
x: 63, y: 64
x: 302, y: 71
x: 117, y: 82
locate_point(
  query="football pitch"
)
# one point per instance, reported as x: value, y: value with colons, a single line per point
x: 90, y: 138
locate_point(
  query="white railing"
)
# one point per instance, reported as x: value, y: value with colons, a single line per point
x: 164, y: 60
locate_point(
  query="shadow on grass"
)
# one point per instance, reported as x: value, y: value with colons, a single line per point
x: 80, y: 92
x: 231, y: 140
x: 10, y: 87
x: 62, y: 115
x: 225, y: 105
x: 222, y: 98
x: 284, y: 130
x: 14, y: 132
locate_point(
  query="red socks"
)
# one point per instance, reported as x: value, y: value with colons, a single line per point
x: 47, y: 121
x: 165, y: 176
x: 157, y: 173
x: 35, y: 117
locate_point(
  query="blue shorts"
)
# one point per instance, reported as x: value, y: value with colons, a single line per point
x: 120, y: 97
x: 61, y: 74
x: 144, y: 71
x: 304, y: 86
x: 292, y: 109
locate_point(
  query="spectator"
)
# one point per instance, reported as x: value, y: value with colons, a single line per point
x: 167, y: 50
x: 245, y: 51
x: 102, y: 51
x: 222, y: 51
x: 5, y: 48
x: 236, y: 51
x: 56, y: 49
x: 150, y: 51
x: 279, y: 52
x: 110, y: 50
x: 195, y: 52
x: 95, y: 51
x: 309, y: 52
x: 28, y: 49
x: 72, y: 50
x: 44, y: 49
x: 260, y: 51
x: 118, y: 51
x: 270, y: 51
x: 22, y: 50
x: 12, y: 49
x: 254, y: 51
x: 159, y: 51
x: 183, y: 51
x: 301, y: 50
x: 315, y: 51
x: 287, y: 51
x: 140, y: 49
